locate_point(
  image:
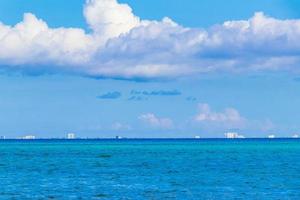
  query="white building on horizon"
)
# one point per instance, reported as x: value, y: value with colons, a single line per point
x: 28, y: 137
x: 71, y: 136
x: 271, y: 136
x: 233, y: 135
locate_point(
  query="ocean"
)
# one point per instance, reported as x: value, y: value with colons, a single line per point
x: 150, y: 169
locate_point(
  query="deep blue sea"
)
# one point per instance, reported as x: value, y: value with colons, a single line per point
x: 150, y: 169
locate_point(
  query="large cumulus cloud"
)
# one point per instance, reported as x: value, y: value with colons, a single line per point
x: 121, y: 45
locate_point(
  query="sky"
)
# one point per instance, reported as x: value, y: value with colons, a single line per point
x: 101, y: 68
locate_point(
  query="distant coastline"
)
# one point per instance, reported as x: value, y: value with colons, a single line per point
x: 124, y: 139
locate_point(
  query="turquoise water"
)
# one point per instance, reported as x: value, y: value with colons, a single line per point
x: 150, y: 169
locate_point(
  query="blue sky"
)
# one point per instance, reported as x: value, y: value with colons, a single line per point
x: 143, y: 91
x: 202, y: 13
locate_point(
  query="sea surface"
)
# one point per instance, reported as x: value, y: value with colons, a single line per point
x: 150, y: 169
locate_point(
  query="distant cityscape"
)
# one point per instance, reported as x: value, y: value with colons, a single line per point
x: 69, y: 136
x: 72, y: 136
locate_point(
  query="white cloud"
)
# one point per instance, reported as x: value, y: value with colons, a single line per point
x: 206, y: 114
x: 156, y: 122
x: 117, y: 126
x: 121, y: 45
x: 32, y: 42
x: 229, y: 118
x: 108, y: 18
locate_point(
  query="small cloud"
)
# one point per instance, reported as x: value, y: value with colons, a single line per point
x: 266, y: 125
x: 156, y: 93
x: 191, y: 98
x: 137, y: 98
x: 117, y: 126
x: 206, y: 114
x: 229, y: 118
x: 297, y: 79
x: 156, y: 122
x: 110, y: 95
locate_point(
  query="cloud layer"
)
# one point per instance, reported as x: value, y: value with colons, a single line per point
x: 121, y: 45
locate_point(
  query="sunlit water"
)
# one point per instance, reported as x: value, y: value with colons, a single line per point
x: 150, y: 169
